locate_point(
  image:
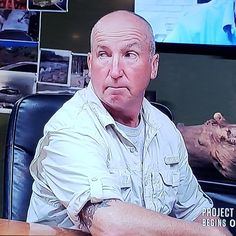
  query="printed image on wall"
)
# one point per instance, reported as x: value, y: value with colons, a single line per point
x: 18, y: 56
x: 13, y: 4
x: 54, y: 67
x: 18, y: 66
x: 79, y: 71
x: 15, y: 85
x: 19, y: 25
x: 48, y: 5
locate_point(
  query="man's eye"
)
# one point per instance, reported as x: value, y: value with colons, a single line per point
x: 131, y: 55
x: 102, y: 54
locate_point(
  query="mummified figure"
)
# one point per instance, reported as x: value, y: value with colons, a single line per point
x: 213, y: 142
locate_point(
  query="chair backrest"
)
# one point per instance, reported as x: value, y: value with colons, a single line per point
x: 164, y: 109
x: 25, y: 128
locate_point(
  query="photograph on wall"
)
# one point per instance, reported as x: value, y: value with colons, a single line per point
x: 48, y: 5
x: 13, y: 4
x: 18, y: 67
x: 19, y: 25
x: 18, y: 56
x: 15, y: 85
x: 54, y: 66
x: 79, y: 71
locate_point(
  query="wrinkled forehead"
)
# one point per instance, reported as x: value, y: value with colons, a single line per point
x: 119, y: 37
x: 120, y: 27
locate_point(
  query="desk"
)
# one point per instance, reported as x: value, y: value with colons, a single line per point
x: 11, y: 227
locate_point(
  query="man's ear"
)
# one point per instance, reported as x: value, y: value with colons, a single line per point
x: 89, y: 58
x: 155, y: 64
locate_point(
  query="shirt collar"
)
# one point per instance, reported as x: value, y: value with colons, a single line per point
x: 106, y: 119
x: 148, y: 111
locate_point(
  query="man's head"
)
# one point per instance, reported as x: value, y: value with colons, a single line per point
x: 122, y: 60
x: 116, y: 16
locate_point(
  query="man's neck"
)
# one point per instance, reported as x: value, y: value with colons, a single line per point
x: 128, y: 117
x: 127, y: 121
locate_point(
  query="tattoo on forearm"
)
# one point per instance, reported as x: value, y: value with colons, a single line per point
x: 89, y: 210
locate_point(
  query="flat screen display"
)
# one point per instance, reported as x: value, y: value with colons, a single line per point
x: 202, y: 22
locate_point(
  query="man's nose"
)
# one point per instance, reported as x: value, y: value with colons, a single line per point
x: 116, y: 70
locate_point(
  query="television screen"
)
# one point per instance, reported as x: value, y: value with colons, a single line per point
x: 201, y: 22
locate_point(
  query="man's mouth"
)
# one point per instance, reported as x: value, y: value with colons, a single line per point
x: 116, y: 89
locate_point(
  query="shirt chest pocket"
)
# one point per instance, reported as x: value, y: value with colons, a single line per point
x: 170, y: 179
x: 123, y: 179
x: 164, y: 185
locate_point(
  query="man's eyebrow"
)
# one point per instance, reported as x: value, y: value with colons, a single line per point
x: 134, y: 44
x: 103, y: 46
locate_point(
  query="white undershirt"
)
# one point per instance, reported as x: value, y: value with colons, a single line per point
x: 135, y: 134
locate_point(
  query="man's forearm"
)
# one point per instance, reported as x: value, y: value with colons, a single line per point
x: 114, y: 217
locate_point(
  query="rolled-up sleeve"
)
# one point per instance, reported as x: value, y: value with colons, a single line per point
x: 191, y: 200
x: 74, y: 167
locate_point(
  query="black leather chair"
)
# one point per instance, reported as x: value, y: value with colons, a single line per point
x: 25, y: 128
x: 26, y: 123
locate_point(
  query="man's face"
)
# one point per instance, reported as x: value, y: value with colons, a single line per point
x: 120, y: 63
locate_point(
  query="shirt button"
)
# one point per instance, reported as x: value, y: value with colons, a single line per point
x: 132, y: 149
x: 94, y: 179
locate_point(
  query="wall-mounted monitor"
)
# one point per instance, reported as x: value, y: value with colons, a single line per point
x: 191, y: 25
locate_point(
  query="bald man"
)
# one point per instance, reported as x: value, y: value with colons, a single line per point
x: 109, y: 162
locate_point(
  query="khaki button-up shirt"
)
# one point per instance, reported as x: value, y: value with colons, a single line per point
x: 84, y: 156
